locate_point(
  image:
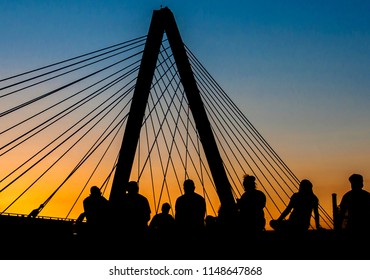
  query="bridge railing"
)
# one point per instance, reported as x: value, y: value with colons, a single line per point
x: 39, y: 217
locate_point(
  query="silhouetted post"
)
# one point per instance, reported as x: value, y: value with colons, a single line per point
x: 335, y: 211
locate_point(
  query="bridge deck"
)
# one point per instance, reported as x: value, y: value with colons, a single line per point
x: 29, y: 238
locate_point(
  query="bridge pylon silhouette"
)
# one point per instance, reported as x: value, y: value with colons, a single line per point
x: 164, y: 21
x: 230, y: 145
x: 145, y: 110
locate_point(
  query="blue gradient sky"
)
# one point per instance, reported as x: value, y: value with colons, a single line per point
x: 299, y: 70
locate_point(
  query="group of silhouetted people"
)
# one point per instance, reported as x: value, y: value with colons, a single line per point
x: 352, y: 216
x: 130, y: 221
x: 301, y: 205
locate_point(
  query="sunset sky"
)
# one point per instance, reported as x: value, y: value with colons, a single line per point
x: 299, y: 70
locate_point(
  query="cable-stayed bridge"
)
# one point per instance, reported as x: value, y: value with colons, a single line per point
x: 145, y: 110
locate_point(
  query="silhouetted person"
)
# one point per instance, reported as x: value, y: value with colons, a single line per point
x: 300, y: 207
x: 190, y: 209
x: 96, y: 211
x: 354, y: 208
x: 162, y: 226
x: 251, y: 205
x: 136, y: 212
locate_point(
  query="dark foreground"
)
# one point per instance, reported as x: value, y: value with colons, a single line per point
x: 41, y: 239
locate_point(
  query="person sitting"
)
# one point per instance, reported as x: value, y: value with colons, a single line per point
x: 190, y: 209
x: 250, y: 206
x: 300, y: 208
x: 96, y: 212
x: 354, y: 208
x: 162, y: 226
x: 136, y: 212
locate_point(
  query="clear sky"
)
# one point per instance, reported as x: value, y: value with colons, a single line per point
x: 299, y: 70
